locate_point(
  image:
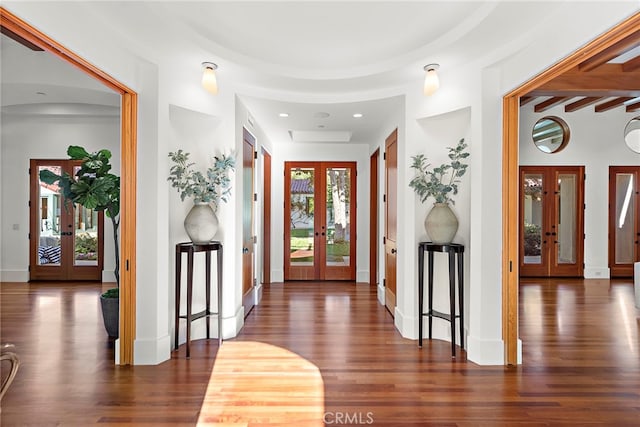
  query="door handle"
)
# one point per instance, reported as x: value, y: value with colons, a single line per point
x: 66, y: 233
x: 245, y: 250
x: 393, y: 251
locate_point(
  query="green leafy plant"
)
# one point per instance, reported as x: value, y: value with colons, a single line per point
x: 93, y: 187
x: 86, y: 246
x: 441, y: 182
x: 211, y: 187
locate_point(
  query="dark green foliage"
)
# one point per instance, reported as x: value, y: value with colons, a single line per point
x: 111, y: 293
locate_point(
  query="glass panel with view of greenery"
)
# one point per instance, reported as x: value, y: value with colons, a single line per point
x: 301, y: 214
x: 532, y: 218
x: 338, y: 217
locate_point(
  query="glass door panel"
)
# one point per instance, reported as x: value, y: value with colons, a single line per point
x: 301, y: 215
x: 532, y: 217
x: 48, y: 250
x: 624, y: 216
x: 86, y: 248
x: 338, y: 241
x: 565, y: 239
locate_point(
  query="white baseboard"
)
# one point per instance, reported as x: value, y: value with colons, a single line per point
x: 380, y: 294
x: 108, y: 276
x: 405, y: 324
x: 488, y: 352
x: 596, y: 273
x: 362, y: 276
x: 19, y: 276
x: 277, y: 276
x: 152, y: 351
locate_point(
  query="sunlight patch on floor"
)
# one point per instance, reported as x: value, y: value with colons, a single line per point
x: 258, y: 383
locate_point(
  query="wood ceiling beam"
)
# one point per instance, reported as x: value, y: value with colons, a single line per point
x: 606, y: 55
x: 612, y: 104
x: 631, y: 65
x: 526, y: 99
x: 13, y: 36
x: 607, y: 80
x: 545, y: 105
x: 633, y: 107
x: 581, y: 103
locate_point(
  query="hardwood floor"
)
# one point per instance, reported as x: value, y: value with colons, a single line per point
x: 314, y: 354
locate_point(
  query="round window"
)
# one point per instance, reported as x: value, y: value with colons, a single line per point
x: 550, y: 134
x: 632, y: 134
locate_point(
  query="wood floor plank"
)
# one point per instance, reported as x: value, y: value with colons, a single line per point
x: 314, y: 354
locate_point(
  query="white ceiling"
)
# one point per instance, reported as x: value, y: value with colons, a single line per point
x: 304, y: 47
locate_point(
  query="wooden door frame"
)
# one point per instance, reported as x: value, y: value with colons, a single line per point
x: 373, y: 217
x: 266, y: 217
x: 622, y: 270
x: 510, y: 182
x: 128, y: 149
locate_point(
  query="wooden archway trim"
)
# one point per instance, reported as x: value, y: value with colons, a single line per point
x: 510, y: 120
x: 128, y: 148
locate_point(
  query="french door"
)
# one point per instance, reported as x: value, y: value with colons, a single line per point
x: 320, y: 214
x: 66, y: 241
x: 624, y: 220
x: 551, y: 221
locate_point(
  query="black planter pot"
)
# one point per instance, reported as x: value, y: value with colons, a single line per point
x: 111, y: 315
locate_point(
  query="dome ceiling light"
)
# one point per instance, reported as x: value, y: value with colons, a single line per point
x: 431, y: 80
x: 209, y: 81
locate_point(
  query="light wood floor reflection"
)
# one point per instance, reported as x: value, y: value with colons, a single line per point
x: 327, y: 353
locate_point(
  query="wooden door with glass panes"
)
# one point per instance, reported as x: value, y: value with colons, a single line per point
x: 321, y: 220
x: 551, y: 221
x: 65, y: 240
x: 624, y: 220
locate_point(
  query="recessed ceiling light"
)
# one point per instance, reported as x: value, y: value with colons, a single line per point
x: 357, y: 115
x: 284, y: 114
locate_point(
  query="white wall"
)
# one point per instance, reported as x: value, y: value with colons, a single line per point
x: 44, y: 137
x: 596, y: 142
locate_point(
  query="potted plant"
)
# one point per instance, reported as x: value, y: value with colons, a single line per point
x: 441, y: 183
x: 94, y: 187
x: 213, y: 186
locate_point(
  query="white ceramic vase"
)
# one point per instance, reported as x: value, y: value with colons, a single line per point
x: 441, y: 223
x: 201, y: 223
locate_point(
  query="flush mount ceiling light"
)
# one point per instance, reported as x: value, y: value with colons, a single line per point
x: 209, y: 81
x: 431, y: 81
